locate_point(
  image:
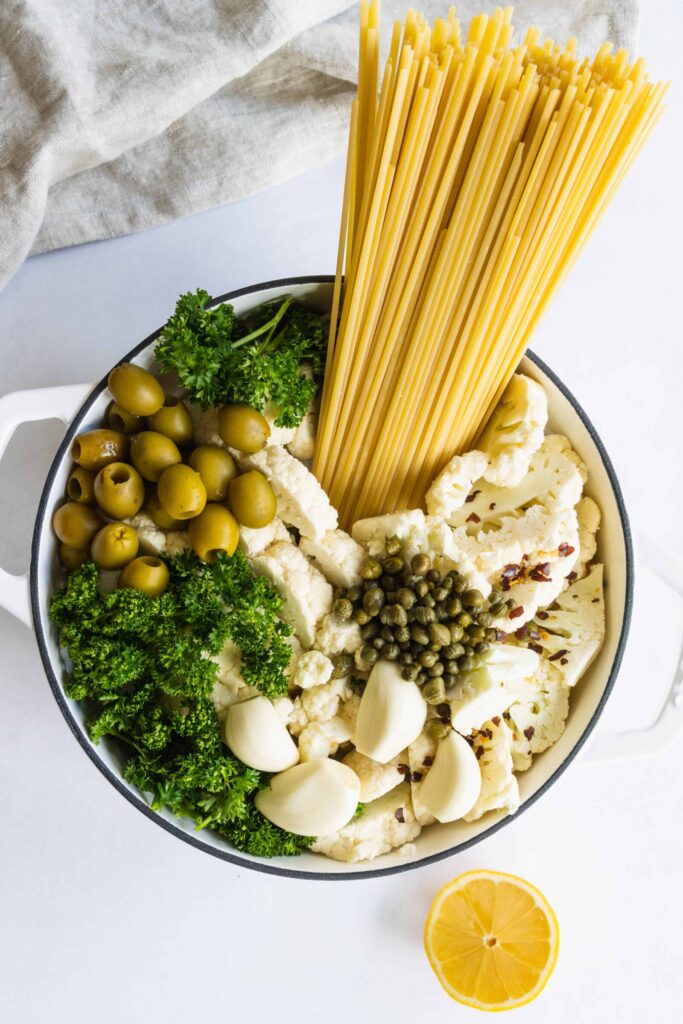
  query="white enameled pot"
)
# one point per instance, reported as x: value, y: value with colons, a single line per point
x: 82, y: 407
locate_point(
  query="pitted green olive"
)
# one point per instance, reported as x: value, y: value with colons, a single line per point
x: 151, y: 453
x: 72, y: 558
x: 98, y: 448
x: 252, y: 499
x: 181, y: 492
x: 216, y: 467
x: 136, y: 390
x: 114, y: 546
x: 119, y: 490
x: 124, y: 421
x: 146, y: 573
x: 173, y: 420
x: 158, y: 514
x: 243, y: 428
x: 76, y: 524
x: 80, y: 485
x: 213, y: 532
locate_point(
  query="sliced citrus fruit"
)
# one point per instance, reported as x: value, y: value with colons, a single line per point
x: 492, y: 940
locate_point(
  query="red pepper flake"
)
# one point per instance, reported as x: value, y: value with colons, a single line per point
x: 428, y: 761
x: 565, y: 549
x: 511, y: 571
x: 404, y: 769
x: 479, y: 753
x: 473, y: 518
x: 571, y: 576
x: 516, y: 612
x: 399, y: 815
x: 596, y: 600
x: 471, y: 497
x: 564, y: 661
x: 496, y: 720
x: 533, y: 633
x: 529, y: 732
x: 542, y: 615
x: 501, y: 636
x: 558, y: 655
x: 416, y: 776
x: 506, y: 716
x: 535, y: 647
x: 520, y: 633
x: 492, y: 506
x: 488, y: 733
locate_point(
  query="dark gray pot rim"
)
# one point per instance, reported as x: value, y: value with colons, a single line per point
x: 265, y: 866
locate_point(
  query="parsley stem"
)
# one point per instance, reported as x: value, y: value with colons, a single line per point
x: 267, y: 327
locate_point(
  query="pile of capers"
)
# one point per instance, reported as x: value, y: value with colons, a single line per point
x: 144, y: 459
x: 431, y: 623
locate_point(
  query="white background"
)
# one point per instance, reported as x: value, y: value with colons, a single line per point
x: 106, y: 917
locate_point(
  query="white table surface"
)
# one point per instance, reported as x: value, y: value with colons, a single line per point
x: 106, y: 917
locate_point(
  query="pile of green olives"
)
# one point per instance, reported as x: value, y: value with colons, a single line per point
x: 144, y: 459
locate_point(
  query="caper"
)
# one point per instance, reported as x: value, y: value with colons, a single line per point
x: 114, y: 546
x: 406, y: 598
x: 491, y: 635
x: 136, y: 390
x: 392, y: 546
x: 402, y: 635
x: 430, y: 586
x: 485, y: 619
x: 459, y: 585
x: 354, y: 593
x: 342, y: 609
x: 147, y: 574
x: 390, y: 595
x: 80, y: 485
x: 387, y: 582
x: 409, y: 672
x: 457, y: 632
x: 495, y: 596
x: 447, y: 584
x: 72, y: 558
x: 361, y: 616
x: 373, y: 601
x: 434, y: 576
x: 427, y: 659
x: 450, y: 679
x: 378, y: 643
x: 76, y: 524
x: 469, y: 649
x: 464, y: 619
x: 473, y: 599
x: 424, y: 615
x: 482, y: 647
x: 158, y: 514
x: 437, y: 669
x: 371, y: 570
x: 422, y: 676
x: 451, y: 667
x: 406, y: 658
x: 392, y: 566
x: 466, y: 663
x: 419, y: 635
x: 391, y: 652
x: 124, y: 421
x: 216, y: 467
x: 439, y: 634
x: 453, y: 650
x: 440, y: 611
x: 151, y: 453
x: 444, y: 710
x: 454, y: 606
x: 434, y: 691
x: 427, y: 601
x: 173, y: 420
x: 181, y: 492
x: 96, y: 448
x: 368, y: 654
x: 400, y: 616
x: 243, y: 427
x: 420, y: 564
x: 369, y: 630
x: 497, y: 609
x: 385, y: 615
x: 440, y: 593
x: 421, y: 588
x: 476, y: 633
x: 436, y: 729
x: 342, y: 664
x: 119, y: 490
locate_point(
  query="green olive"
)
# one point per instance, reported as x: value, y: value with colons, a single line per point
x: 146, y: 573
x: 158, y: 514
x: 72, y: 558
x: 252, y: 499
x: 76, y: 524
x: 151, y: 453
x: 119, y: 490
x: 216, y: 467
x: 98, y: 448
x: 114, y: 546
x: 243, y: 428
x: 136, y: 390
x: 173, y: 420
x: 181, y: 492
x: 121, y: 419
x: 213, y: 532
x: 79, y: 486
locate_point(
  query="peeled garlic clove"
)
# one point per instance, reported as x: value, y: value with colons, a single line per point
x: 258, y: 737
x: 391, y: 715
x: 314, y: 798
x: 451, y: 787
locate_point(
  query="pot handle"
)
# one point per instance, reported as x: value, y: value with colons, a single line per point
x: 668, y: 725
x: 19, y: 407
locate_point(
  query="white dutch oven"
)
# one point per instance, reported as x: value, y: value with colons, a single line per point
x: 27, y: 597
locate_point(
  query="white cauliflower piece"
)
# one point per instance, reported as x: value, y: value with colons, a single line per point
x: 333, y: 636
x: 421, y: 754
x: 322, y: 739
x: 229, y: 662
x: 514, y: 431
x: 553, y: 481
x: 205, y: 423
x: 504, y: 675
x: 301, y: 501
x: 338, y: 556
x: 177, y: 541
x: 312, y: 669
x: 253, y: 542
x: 284, y: 707
x: 302, y: 445
x: 373, y: 532
x: 306, y: 594
x: 538, y: 721
x: 378, y: 830
x: 319, y: 704
x: 573, y: 631
x: 588, y: 515
x: 375, y: 779
x: 450, y: 489
x: 348, y: 712
x: 562, y: 444
x: 278, y: 435
x: 499, y: 789
x: 152, y: 538
x: 296, y: 650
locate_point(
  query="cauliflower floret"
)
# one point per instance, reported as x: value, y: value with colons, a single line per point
x: 505, y: 674
x: 301, y: 501
x: 296, y: 650
x: 514, y: 431
x: 376, y: 779
x: 451, y: 487
x: 177, y: 541
x: 151, y: 538
x: 229, y: 662
x: 253, y: 542
x: 284, y: 707
x: 384, y: 825
x: 373, y: 532
x: 306, y: 594
x: 319, y: 704
x: 338, y: 556
x: 421, y: 754
x: 499, y: 789
x: 553, y: 481
x: 538, y: 721
x: 573, y: 631
x: 333, y: 636
x: 312, y: 669
x: 322, y: 739
x: 588, y: 515
x: 560, y: 443
x: 348, y: 712
x: 206, y: 426
x: 302, y: 445
x: 278, y: 435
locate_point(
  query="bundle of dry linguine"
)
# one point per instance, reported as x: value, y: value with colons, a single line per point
x: 475, y: 175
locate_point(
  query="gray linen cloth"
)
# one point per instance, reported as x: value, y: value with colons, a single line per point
x: 119, y: 115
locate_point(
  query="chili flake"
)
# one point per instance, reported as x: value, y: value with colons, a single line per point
x: 529, y: 732
x: 473, y: 518
x: 565, y: 549
x: 471, y: 497
x: 399, y: 815
x: 516, y: 612
x: 558, y: 655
